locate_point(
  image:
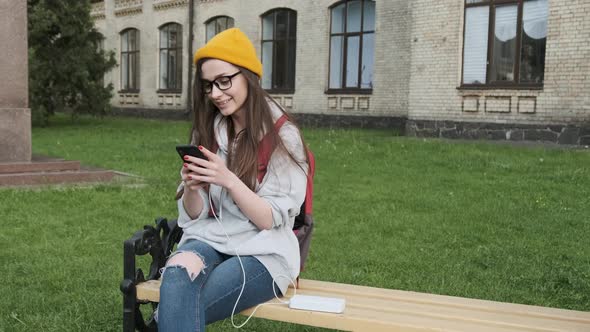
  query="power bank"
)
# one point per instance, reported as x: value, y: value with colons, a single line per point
x: 317, y: 303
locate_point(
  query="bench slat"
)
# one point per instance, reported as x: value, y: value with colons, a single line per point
x: 375, y: 309
x: 471, y: 310
x: 474, y: 315
x: 444, y: 300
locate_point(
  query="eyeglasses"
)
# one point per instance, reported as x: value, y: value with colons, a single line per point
x: 222, y: 83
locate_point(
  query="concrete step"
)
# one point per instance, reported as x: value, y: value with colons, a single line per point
x: 43, y: 178
x: 40, y: 165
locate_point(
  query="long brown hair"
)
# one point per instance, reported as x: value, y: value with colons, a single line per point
x: 259, y: 122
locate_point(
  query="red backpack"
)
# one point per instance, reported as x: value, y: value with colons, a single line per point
x: 303, y: 226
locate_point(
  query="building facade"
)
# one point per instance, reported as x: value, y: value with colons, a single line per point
x: 497, y: 69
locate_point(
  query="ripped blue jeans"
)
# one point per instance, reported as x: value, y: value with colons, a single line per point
x: 188, y: 303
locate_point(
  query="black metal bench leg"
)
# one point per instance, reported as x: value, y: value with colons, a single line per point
x: 129, y: 305
x: 128, y: 286
x: 158, y: 242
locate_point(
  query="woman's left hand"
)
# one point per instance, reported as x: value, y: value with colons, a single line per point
x: 212, y: 170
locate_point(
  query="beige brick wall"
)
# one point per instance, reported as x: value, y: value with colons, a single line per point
x: 566, y: 95
x: 146, y: 16
x: 437, y: 42
x: 312, y: 43
x: 418, y: 59
x: 392, y: 52
x: 390, y: 92
x: 392, y: 58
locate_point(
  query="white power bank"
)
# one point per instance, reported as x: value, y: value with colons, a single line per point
x: 317, y: 303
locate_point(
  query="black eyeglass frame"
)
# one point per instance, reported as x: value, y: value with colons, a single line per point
x: 208, y: 85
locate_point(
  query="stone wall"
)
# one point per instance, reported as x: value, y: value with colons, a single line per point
x: 559, y: 134
x: 437, y: 44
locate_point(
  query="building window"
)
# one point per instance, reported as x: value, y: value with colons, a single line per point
x: 352, y: 43
x: 171, y: 57
x: 279, y: 31
x: 217, y: 24
x: 504, y: 43
x: 130, y: 60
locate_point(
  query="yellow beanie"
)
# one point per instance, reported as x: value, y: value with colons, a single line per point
x: 233, y: 46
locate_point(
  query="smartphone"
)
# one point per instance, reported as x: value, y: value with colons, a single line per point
x: 190, y: 150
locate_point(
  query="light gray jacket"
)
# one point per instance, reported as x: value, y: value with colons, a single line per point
x: 283, y: 187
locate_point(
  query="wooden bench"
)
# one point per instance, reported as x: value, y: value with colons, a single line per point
x: 375, y: 309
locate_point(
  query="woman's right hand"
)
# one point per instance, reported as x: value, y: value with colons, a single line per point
x: 191, y: 200
x: 189, y: 183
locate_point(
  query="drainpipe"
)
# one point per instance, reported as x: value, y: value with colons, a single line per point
x: 189, y: 95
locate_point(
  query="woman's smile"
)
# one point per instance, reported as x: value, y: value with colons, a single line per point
x: 221, y: 103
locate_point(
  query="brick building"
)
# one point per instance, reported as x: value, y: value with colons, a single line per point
x: 497, y: 69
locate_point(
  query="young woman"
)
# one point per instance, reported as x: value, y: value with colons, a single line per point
x: 223, y: 209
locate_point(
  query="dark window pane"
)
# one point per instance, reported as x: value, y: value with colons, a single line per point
x: 352, y: 62
x: 280, y: 65
x: 130, y: 59
x: 292, y: 25
x: 221, y: 24
x: 170, y: 64
x: 178, y: 80
x: 291, y: 65
x: 353, y: 16
x: 125, y: 71
x: 338, y: 18
x: 281, y: 24
x: 132, y: 71
x: 172, y: 69
x: 132, y: 40
x: 210, y: 30
x: 534, y: 38
x: 504, y: 45
x: 369, y: 16
x: 278, y: 53
x: 173, y: 38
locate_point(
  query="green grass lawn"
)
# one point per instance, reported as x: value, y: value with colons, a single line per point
x: 478, y: 220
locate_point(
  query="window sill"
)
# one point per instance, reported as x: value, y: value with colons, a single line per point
x: 280, y: 91
x: 128, y: 91
x: 177, y: 91
x: 349, y: 91
x: 500, y: 87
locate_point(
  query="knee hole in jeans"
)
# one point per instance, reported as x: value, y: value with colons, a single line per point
x: 190, y: 261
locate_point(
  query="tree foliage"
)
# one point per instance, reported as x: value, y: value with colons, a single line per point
x: 67, y: 63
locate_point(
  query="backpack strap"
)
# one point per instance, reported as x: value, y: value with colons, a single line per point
x: 265, y: 149
x: 308, y: 204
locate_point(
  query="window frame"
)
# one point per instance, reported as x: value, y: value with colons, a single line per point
x: 291, y: 37
x: 345, y: 35
x: 215, y: 18
x: 515, y: 85
x: 177, y: 50
x: 130, y: 52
